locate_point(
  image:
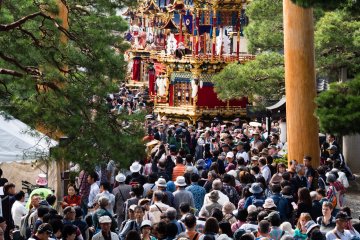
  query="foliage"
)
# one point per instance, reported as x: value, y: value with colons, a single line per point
x: 337, y: 43
x: 283, y: 159
x: 329, y: 4
x: 265, y: 29
x: 263, y: 76
x: 339, y: 108
x: 57, y: 77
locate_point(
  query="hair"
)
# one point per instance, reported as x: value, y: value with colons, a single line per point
x: 276, y: 188
x: 172, y: 230
x: 195, y: 177
x: 256, y: 169
x: 262, y: 160
x: 328, y: 204
x: 307, y: 157
x: 316, y: 234
x: 245, y: 177
x: 247, y: 236
x: 217, y: 213
x: 69, y: 209
x: 57, y: 224
x: 287, y: 190
x: 242, y: 215
x: 159, y: 195
x: 94, y: 176
x: 347, y: 210
x: 246, y: 192
x: 189, y: 158
x: 18, y: 196
x: 286, y: 176
x: 252, y: 216
x: 171, y: 213
x: 269, y: 159
x: 304, y: 215
x: 262, y: 215
x: 42, y: 210
x: 211, y: 225
x: 190, y: 220
x: 152, y: 177
x: 304, y: 196
x: 105, y: 185
x: 228, y: 207
x: 139, y: 208
x: 264, y: 226
x: 280, y: 165
x: 103, y: 202
x: 321, y: 192
x: 137, y: 190
x: 179, y: 160
x: 1, y: 172
x: 133, y: 235
x: 51, y: 199
x: 184, y: 207
x: 275, y: 222
x: 68, y: 230
x: 7, y: 187
x: 261, y: 179
x: 226, y: 228
x: 79, y: 212
x: 321, y: 170
x: 43, y: 228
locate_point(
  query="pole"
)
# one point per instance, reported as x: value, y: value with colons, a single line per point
x: 302, y: 126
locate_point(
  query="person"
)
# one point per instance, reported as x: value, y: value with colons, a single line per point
x: 340, y: 232
x: 216, y: 186
x: 80, y: 223
x: 280, y: 201
x: 228, y: 209
x: 310, y: 227
x: 162, y: 186
x: 214, y: 198
x: 136, y: 194
x: 336, y: 191
x: 310, y: 174
x: 275, y: 233
x: 158, y: 207
x: 41, y: 212
x: 264, y: 169
x: 241, y: 215
x: 300, y: 231
x: 2, y: 227
x: 43, y: 232
x: 257, y: 198
x: 72, y: 199
x: 181, y: 195
x: 84, y: 190
x: 171, y: 215
x: 304, y: 203
x: 103, y: 203
x: 133, y: 224
x: 179, y: 169
x: 94, y: 188
x: 110, y: 173
x: 136, y: 178
x: 197, y: 191
x: 229, y: 189
x: 263, y: 230
x: 7, y: 201
x: 277, y: 177
x: 122, y: 193
x: 69, y: 232
x: 105, y: 233
x: 18, y: 210
x: 327, y: 222
x: 300, y: 179
x: 145, y: 229
x: 190, y: 225
x: 211, y: 229
x: 104, y: 191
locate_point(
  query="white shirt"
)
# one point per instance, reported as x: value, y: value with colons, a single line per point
x: 266, y: 173
x: 18, y: 210
x: 94, y: 190
x: 346, y: 235
x: 244, y: 155
x: 110, y: 196
x: 222, y: 200
x: 342, y: 178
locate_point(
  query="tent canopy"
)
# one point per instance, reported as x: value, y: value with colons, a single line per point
x: 19, y: 142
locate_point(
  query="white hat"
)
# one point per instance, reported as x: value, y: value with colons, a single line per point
x: 105, y: 219
x: 135, y: 167
x: 269, y: 203
x: 161, y: 182
x: 180, y: 181
x: 145, y: 223
x: 232, y: 173
x: 120, y: 178
x: 230, y: 155
x: 41, y: 180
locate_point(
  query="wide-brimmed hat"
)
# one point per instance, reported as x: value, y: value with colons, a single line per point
x: 269, y: 203
x: 145, y: 223
x: 214, y: 196
x: 310, y: 225
x: 255, y: 158
x: 230, y: 155
x: 256, y: 188
x: 41, y: 180
x: 161, y: 182
x: 180, y: 181
x: 135, y: 167
x: 342, y: 215
x: 120, y: 178
x: 105, y: 219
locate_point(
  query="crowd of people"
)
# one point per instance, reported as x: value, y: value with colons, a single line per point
x: 224, y: 181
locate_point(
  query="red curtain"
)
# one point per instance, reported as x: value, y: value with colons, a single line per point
x: 171, y: 95
x: 207, y: 97
x: 151, y: 74
x: 136, y: 69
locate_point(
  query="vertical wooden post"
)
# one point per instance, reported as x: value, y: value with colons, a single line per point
x: 302, y: 126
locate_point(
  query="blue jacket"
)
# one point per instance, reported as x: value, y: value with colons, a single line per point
x: 282, y: 205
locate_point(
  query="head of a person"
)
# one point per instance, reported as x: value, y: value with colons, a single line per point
x: 9, y: 188
x: 264, y: 227
x: 179, y: 160
x: 217, y: 214
x: 281, y: 168
x: 303, y: 219
x: 35, y: 200
x: 190, y: 221
x: 316, y: 234
x: 211, y: 225
x: 69, y: 213
x: 71, y: 190
x: 274, y: 219
x: 57, y: 225
x: 20, y: 196
x: 146, y: 227
x: 133, y: 235
x: 44, y: 231
x: 104, y: 186
x: 307, y: 160
x: 78, y: 212
x: 171, y: 213
x: 105, y: 223
x: 241, y: 215
x: 51, y: 199
x: 139, y: 213
x: 184, y: 208
x: 217, y: 184
x: 321, y: 192
x: 262, y: 161
x: 158, y: 196
x: 69, y: 232
x: 276, y: 188
x: 92, y: 177
x: 103, y: 202
x: 194, y: 177
x: 137, y: 190
x: 300, y: 169
x: 225, y: 228
x: 247, y: 236
x: 304, y: 196
x: 228, y: 208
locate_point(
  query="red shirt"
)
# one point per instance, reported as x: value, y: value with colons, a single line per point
x: 72, y: 201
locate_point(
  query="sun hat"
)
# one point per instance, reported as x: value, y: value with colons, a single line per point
x: 180, y: 181
x: 145, y: 223
x: 143, y: 201
x: 41, y: 180
x: 256, y: 188
x: 255, y: 158
x: 286, y: 226
x: 269, y: 203
x: 214, y: 196
x: 230, y: 155
x: 310, y: 225
x: 135, y: 167
x: 161, y: 182
x: 105, y: 219
x: 132, y: 207
x: 342, y: 215
x: 45, y: 227
x: 251, y: 208
x: 120, y: 178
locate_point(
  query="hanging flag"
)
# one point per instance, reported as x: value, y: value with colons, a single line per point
x: 188, y: 20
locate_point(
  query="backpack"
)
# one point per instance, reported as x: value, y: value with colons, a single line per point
x: 258, y: 202
x: 332, y: 197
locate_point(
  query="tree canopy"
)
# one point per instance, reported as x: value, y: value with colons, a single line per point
x: 57, y: 76
x: 339, y: 108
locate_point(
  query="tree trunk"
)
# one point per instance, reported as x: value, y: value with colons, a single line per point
x: 300, y: 86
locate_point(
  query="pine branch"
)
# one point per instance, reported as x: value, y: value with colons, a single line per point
x: 10, y: 72
x: 18, y: 23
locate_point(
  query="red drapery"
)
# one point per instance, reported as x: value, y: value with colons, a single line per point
x: 151, y: 75
x: 171, y: 95
x: 136, y: 69
x: 207, y: 97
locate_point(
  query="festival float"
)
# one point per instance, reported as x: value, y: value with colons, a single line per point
x: 176, y: 48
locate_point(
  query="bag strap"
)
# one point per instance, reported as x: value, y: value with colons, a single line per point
x: 122, y: 197
x: 158, y: 207
x: 152, y: 186
x: 335, y: 233
x: 196, y: 235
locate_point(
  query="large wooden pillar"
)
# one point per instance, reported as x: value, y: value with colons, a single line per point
x: 302, y: 126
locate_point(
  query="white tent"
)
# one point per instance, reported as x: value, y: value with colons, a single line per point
x: 18, y: 142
